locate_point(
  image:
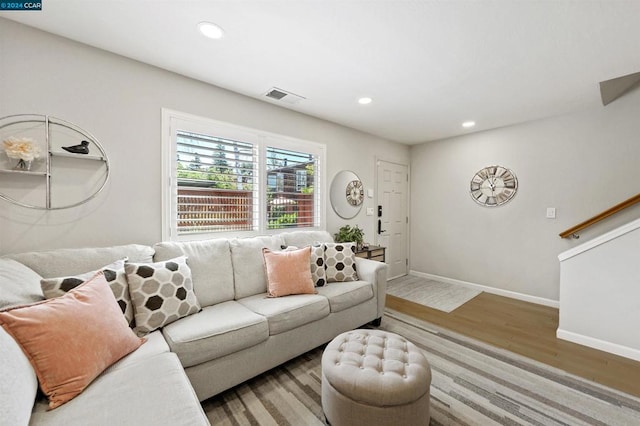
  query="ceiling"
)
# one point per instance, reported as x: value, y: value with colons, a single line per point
x: 428, y: 65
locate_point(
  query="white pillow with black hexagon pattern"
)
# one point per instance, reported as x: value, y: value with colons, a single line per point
x: 115, y: 276
x: 340, y: 262
x: 161, y: 292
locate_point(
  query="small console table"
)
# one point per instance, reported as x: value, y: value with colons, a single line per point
x: 373, y: 253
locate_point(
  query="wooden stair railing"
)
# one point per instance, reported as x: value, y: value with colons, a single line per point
x: 571, y: 232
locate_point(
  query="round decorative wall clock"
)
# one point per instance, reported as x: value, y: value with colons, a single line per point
x: 346, y: 194
x: 355, y: 192
x: 493, y: 186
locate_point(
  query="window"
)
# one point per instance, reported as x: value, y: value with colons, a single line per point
x: 215, y: 180
x: 226, y: 179
x: 290, y: 203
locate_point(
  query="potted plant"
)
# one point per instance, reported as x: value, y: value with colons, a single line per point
x: 349, y: 234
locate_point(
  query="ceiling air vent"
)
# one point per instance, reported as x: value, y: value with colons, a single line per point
x: 283, y: 95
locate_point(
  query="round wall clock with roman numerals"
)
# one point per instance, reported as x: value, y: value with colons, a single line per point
x: 346, y: 194
x: 355, y: 192
x: 493, y: 186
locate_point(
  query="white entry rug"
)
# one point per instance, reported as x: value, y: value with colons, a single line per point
x: 434, y: 294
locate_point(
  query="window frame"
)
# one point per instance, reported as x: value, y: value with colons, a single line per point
x: 173, y: 121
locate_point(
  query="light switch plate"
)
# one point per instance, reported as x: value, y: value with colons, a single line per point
x: 369, y: 211
x: 551, y: 212
x: 370, y: 193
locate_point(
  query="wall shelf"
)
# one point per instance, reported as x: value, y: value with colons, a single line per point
x: 68, y: 182
x: 77, y: 156
x: 23, y: 172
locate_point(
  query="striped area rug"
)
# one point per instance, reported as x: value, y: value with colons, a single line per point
x: 434, y: 294
x: 473, y: 384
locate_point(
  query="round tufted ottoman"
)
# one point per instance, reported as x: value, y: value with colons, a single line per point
x: 373, y: 377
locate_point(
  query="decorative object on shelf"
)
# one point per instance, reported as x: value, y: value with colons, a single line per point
x: 493, y: 186
x: 82, y: 177
x: 348, y: 234
x: 346, y: 194
x: 23, y: 165
x: 82, y: 148
x: 22, y: 149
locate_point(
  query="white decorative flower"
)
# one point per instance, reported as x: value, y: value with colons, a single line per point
x: 21, y: 148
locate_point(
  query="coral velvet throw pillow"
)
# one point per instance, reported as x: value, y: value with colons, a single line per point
x: 71, y: 339
x: 288, y: 272
x: 113, y: 273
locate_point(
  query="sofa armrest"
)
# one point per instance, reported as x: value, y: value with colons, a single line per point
x: 375, y: 273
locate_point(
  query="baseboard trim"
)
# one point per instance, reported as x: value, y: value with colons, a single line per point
x: 601, y: 345
x: 492, y: 290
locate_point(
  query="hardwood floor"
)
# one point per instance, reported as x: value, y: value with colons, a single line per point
x: 528, y: 329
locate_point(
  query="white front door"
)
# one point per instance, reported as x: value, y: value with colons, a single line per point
x: 391, y: 215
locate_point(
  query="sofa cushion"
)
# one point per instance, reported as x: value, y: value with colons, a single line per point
x: 305, y: 238
x: 287, y: 313
x: 115, y: 276
x: 71, y: 339
x: 345, y: 295
x: 155, y: 344
x: 19, y: 284
x: 248, y: 266
x: 340, y: 262
x: 214, y: 332
x: 211, y: 268
x: 63, y: 262
x: 288, y: 272
x: 162, y: 292
x: 154, y: 391
x: 18, y: 385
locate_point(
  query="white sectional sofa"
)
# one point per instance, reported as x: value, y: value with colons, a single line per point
x: 238, y: 334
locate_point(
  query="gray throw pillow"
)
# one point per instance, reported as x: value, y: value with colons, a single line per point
x: 340, y: 262
x: 161, y: 292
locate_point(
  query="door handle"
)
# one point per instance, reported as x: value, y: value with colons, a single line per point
x: 380, y: 230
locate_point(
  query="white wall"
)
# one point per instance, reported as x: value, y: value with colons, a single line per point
x: 599, y: 292
x: 119, y: 101
x: 581, y: 164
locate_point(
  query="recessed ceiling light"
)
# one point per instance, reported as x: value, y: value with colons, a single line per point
x: 210, y: 30
x: 468, y: 124
x: 365, y: 101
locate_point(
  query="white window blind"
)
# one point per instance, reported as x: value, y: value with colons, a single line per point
x: 233, y: 180
x: 290, y: 196
x: 216, y: 186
